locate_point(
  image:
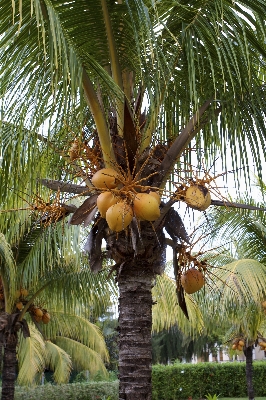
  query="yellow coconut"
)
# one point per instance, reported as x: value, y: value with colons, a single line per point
x: 241, y: 343
x: 192, y: 280
x: 263, y: 304
x: 157, y: 196
x: 104, y: 201
x: 105, y: 179
x: 234, y: 347
x: 198, y: 197
x: 240, y: 348
x: 146, y: 207
x: 19, y: 305
x: 119, y: 216
x: 263, y: 344
x: 46, y: 318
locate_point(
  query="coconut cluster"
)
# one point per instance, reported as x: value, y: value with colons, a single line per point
x: 192, y: 280
x: 262, y: 344
x: 39, y: 314
x: 238, y: 344
x: 119, y: 203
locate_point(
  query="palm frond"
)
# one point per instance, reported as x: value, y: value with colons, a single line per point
x: 76, y: 328
x: 8, y: 271
x: 31, y: 357
x: 83, y: 358
x: 166, y: 311
x: 59, y: 361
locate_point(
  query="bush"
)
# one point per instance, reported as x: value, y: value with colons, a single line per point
x: 73, y: 391
x: 173, y: 382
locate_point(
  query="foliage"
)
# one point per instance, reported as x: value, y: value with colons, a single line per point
x: 181, y: 381
x: 211, y: 397
x: 77, y: 391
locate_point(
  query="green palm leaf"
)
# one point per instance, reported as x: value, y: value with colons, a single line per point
x: 59, y: 361
x: 83, y: 358
x: 31, y: 357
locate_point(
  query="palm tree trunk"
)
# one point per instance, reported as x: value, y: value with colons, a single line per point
x: 249, y: 372
x: 9, y: 368
x: 135, y: 323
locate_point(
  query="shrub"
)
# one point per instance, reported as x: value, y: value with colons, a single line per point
x: 173, y: 382
x: 73, y: 391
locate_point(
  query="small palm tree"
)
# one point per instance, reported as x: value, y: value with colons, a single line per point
x: 58, y: 338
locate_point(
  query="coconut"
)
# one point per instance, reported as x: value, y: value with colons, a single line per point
x: 234, y: 347
x: 241, y: 343
x: 198, y: 197
x: 46, y: 318
x: 119, y: 216
x: 38, y: 312
x: 240, y: 348
x: 157, y: 196
x: 263, y: 344
x: 146, y: 207
x: 105, y: 179
x: 37, y: 318
x: 263, y: 304
x: 104, y: 201
x: 19, y: 305
x: 192, y: 280
x: 24, y: 292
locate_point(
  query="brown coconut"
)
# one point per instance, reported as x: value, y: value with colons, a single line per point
x: 192, y: 280
x: 19, y: 305
x: 37, y: 318
x: 198, y: 197
x: 105, y: 179
x: 38, y: 312
x: 46, y: 318
x: 119, y: 216
x: 146, y: 207
x: 104, y: 201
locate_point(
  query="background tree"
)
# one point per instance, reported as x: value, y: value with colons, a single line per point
x: 60, y: 337
x: 193, y: 63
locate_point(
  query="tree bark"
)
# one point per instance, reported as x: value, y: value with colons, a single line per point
x: 249, y: 372
x: 9, y: 368
x: 137, y: 266
x: 135, y: 323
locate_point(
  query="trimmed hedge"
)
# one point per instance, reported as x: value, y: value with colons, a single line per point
x: 72, y: 391
x: 173, y: 382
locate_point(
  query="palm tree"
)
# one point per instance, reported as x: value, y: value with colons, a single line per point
x: 62, y: 288
x: 85, y: 69
x: 240, y: 300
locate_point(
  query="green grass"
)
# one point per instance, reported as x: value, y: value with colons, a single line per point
x: 239, y: 398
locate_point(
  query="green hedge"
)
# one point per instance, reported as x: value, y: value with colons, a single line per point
x: 73, y: 391
x: 180, y: 381
x: 171, y: 382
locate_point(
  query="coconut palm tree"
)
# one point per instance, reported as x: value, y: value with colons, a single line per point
x: 240, y: 300
x: 134, y: 87
x: 58, y: 338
